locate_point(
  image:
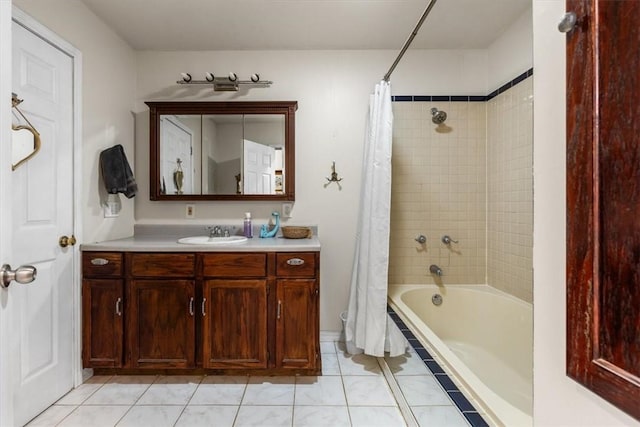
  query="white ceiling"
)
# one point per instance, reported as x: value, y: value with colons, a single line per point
x: 306, y: 24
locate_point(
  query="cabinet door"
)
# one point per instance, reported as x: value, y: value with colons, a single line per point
x: 161, y: 325
x: 296, y: 323
x: 102, y: 324
x: 234, y: 324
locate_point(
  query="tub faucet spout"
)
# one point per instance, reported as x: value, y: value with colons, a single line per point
x: 434, y: 269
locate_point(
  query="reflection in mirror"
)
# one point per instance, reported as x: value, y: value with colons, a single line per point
x: 217, y: 152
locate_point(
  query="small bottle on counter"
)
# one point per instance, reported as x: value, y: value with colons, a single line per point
x: 248, y: 231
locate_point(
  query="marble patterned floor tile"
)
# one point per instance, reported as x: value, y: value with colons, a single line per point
x: 422, y: 390
x: 407, y: 364
x: 367, y: 391
x: 314, y: 391
x: 52, y: 416
x: 381, y: 416
x: 321, y: 416
x: 146, y: 416
x: 269, y: 391
x: 206, y: 416
x: 358, y: 364
x: 327, y: 347
x: 79, y: 394
x: 170, y: 390
x: 442, y: 416
x: 330, y: 364
x: 121, y: 390
x: 264, y: 416
x: 94, y: 416
x: 220, y: 390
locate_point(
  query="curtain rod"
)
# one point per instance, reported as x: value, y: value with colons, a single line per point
x: 414, y: 33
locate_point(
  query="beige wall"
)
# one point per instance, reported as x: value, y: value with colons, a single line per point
x: 510, y: 191
x: 332, y: 89
x: 438, y: 188
x: 108, y: 93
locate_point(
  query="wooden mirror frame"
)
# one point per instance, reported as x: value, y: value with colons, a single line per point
x: 286, y: 108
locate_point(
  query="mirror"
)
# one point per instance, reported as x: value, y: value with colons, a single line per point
x: 222, y: 150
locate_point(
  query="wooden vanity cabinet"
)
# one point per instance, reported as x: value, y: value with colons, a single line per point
x: 102, y: 310
x: 207, y: 312
x: 297, y: 296
x: 234, y: 310
x: 161, y: 310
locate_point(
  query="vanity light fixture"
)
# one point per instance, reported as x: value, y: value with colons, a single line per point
x: 227, y: 84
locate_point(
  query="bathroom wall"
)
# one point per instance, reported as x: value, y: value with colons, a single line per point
x: 510, y: 190
x: 438, y: 188
x: 108, y: 85
x: 332, y: 89
x: 559, y: 401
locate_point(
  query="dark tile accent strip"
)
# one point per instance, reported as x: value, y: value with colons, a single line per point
x: 475, y: 419
x: 464, y: 98
x: 462, y: 403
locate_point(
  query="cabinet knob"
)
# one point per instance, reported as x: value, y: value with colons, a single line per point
x: 99, y: 261
x: 204, y: 301
x: 191, y: 311
x: 119, y: 306
x: 295, y: 261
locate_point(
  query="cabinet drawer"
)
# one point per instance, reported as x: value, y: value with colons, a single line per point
x: 301, y: 264
x: 101, y: 264
x: 234, y: 264
x: 162, y: 265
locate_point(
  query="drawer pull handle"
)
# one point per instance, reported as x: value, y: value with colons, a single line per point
x: 204, y: 313
x: 191, y: 301
x: 295, y: 261
x: 99, y: 261
x: 279, y: 309
x: 119, y: 307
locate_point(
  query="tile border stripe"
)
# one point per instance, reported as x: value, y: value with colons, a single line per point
x: 464, y: 98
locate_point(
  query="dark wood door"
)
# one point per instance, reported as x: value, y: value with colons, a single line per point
x: 603, y: 200
x: 161, y: 323
x: 296, y: 323
x: 234, y: 332
x: 102, y: 323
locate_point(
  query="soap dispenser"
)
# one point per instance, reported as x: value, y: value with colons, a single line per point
x: 248, y: 231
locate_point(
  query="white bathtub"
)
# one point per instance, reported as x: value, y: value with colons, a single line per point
x: 483, y: 336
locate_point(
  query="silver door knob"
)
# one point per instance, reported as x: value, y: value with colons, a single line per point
x: 568, y: 22
x: 23, y: 274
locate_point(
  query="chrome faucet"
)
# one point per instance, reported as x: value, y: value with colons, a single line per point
x: 447, y: 240
x: 214, y: 231
x: 421, y: 238
x: 434, y: 269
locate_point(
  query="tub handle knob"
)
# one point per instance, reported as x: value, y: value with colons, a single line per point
x: 447, y: 240
x: 434, y: 269
x: 422, y: 239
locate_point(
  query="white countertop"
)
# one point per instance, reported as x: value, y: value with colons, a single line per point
x: 165, y: 239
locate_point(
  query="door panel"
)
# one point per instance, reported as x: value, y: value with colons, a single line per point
x: 42, y: 203
x: 603, y: 200
x: 235, y: 324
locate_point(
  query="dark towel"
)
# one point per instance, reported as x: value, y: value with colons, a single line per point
x: 116, y: 172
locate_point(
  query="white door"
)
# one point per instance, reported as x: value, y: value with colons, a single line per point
x: 177, y: 140
x: 42, y: 202
x: 258, y: 167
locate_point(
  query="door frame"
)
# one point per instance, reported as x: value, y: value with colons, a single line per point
x: 8, y: 15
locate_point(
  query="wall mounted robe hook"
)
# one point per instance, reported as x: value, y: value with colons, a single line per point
x: 334, y: 177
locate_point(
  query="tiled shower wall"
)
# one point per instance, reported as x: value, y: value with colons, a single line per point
x: 510, y: 191
x: 438, y: 188
x: 471, y: 180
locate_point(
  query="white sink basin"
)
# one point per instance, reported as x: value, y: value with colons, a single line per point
x: 206, y: 240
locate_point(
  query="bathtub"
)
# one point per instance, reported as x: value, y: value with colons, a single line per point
x: 485, y: 339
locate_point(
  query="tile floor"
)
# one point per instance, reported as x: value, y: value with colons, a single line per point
x: 352, y: 392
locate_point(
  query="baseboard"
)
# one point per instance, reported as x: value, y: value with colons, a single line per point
x: 330, y: 335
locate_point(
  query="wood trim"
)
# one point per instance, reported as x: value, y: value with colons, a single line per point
x: 602, y: 59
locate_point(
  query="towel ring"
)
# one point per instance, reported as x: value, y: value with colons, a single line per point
x: 36, y: 135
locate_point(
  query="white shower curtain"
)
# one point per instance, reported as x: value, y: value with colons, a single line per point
x: 368, y: 327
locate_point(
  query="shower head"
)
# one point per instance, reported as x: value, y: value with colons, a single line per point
x: 439, y: 116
